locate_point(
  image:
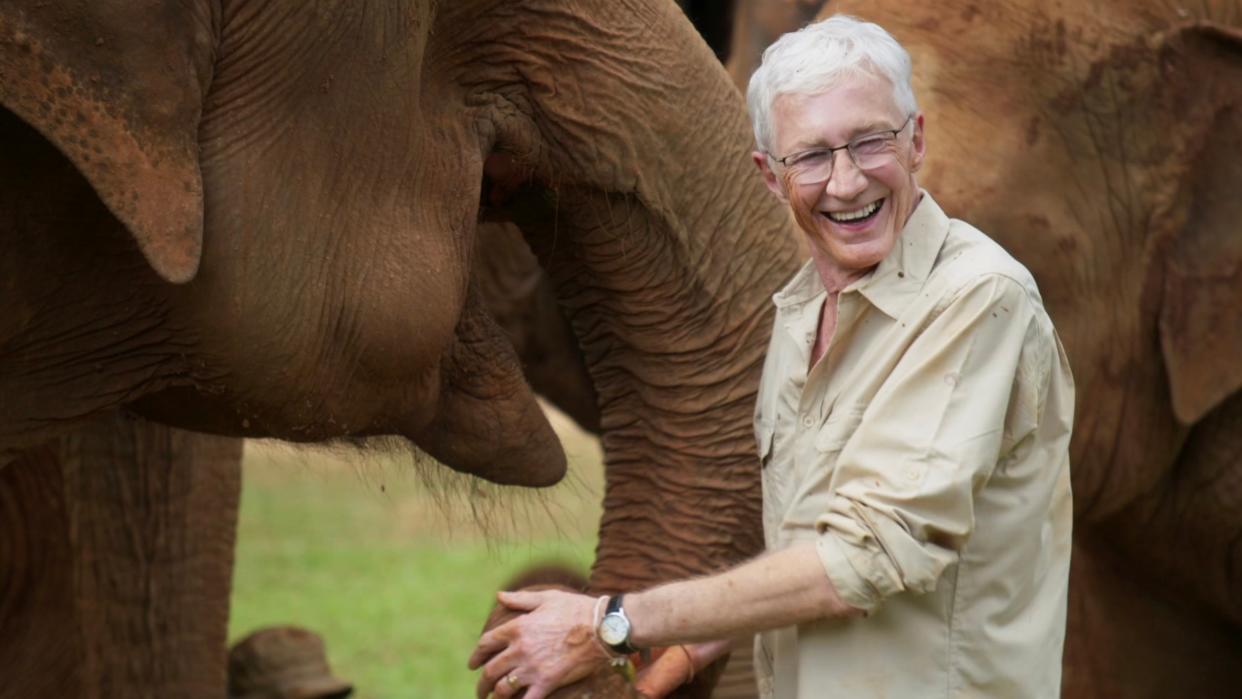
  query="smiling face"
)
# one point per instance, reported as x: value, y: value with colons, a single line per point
x: 852, y: 220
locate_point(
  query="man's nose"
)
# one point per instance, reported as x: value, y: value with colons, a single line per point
x: 847, y: 180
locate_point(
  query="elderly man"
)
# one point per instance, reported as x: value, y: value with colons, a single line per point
x: 913, y: 423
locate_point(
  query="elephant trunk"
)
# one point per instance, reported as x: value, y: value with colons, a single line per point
x: 664, y: 248
x: 676, y: 365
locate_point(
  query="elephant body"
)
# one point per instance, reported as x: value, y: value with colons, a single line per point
x: 263, y: 219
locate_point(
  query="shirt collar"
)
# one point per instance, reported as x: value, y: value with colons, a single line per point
x: 898, y: 277
x: 804, y: 286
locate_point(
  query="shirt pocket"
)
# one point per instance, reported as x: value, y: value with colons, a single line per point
x: 815, y: 478
x: 837, y: 430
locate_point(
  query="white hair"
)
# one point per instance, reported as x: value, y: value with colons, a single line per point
x: 818, y: 57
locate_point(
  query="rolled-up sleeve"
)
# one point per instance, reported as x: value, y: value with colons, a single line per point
x: 905, y: 481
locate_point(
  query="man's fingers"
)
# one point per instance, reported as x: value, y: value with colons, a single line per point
x: 521, y: 601
x: 489, y: 644
x: 496, y: 669
x: 483, y: 688
x: 503, y: 690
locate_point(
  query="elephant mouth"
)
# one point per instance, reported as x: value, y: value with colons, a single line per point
x: 502, y: 178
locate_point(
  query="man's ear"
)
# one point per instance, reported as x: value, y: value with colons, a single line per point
x: 769, y: 178
x: 918, y: 144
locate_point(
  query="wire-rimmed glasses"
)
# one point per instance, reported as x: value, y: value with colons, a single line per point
x: 868, y: 152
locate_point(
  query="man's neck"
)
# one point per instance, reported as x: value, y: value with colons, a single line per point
x: 833, y: 276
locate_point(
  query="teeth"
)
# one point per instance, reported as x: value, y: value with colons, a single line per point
x: 844, y: 216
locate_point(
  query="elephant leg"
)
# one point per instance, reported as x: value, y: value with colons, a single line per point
x: 117, y: 548
x: 40, y: 655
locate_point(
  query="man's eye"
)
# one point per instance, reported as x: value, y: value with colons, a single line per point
x: 870, y: 145
x: 812, y: 158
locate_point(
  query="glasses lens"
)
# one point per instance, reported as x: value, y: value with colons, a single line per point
x: 872, y: 151
x: 816, y: 167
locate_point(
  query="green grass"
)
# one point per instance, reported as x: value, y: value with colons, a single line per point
x: 397, y: 565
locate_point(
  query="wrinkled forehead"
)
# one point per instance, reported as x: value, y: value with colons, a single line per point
x: 852, y: 106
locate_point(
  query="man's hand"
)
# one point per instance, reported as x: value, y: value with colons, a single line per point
x: 550, y: 646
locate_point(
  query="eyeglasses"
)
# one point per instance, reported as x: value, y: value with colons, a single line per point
x: 868, y: 152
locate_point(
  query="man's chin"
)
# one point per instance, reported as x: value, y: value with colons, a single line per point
x: 859, y: 253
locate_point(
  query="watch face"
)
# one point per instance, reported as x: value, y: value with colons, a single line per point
x: 614, y: 629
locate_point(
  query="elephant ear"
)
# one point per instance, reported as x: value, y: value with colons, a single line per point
x: 117, y: 88
x: 1201, y: 314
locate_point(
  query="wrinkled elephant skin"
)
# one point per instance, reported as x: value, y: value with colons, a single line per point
x: 321, y: 268
x: 116, y: 553
x: 522, y: 300
x: 261, y: 218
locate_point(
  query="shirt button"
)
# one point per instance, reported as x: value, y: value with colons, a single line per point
x: 808, y: 421
x: 912, y: 473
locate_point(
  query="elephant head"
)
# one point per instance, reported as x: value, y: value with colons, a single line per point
x: 303, y: 182
x: 308, y: 239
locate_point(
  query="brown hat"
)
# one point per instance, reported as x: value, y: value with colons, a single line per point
x: 283, y: 662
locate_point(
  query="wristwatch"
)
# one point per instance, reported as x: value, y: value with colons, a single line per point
x: 614, y: 629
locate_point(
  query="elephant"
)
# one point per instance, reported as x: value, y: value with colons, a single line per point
x: 1098, y: 142
x: 261, y: 219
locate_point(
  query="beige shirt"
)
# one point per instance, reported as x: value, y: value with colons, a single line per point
x: 926, y: 455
